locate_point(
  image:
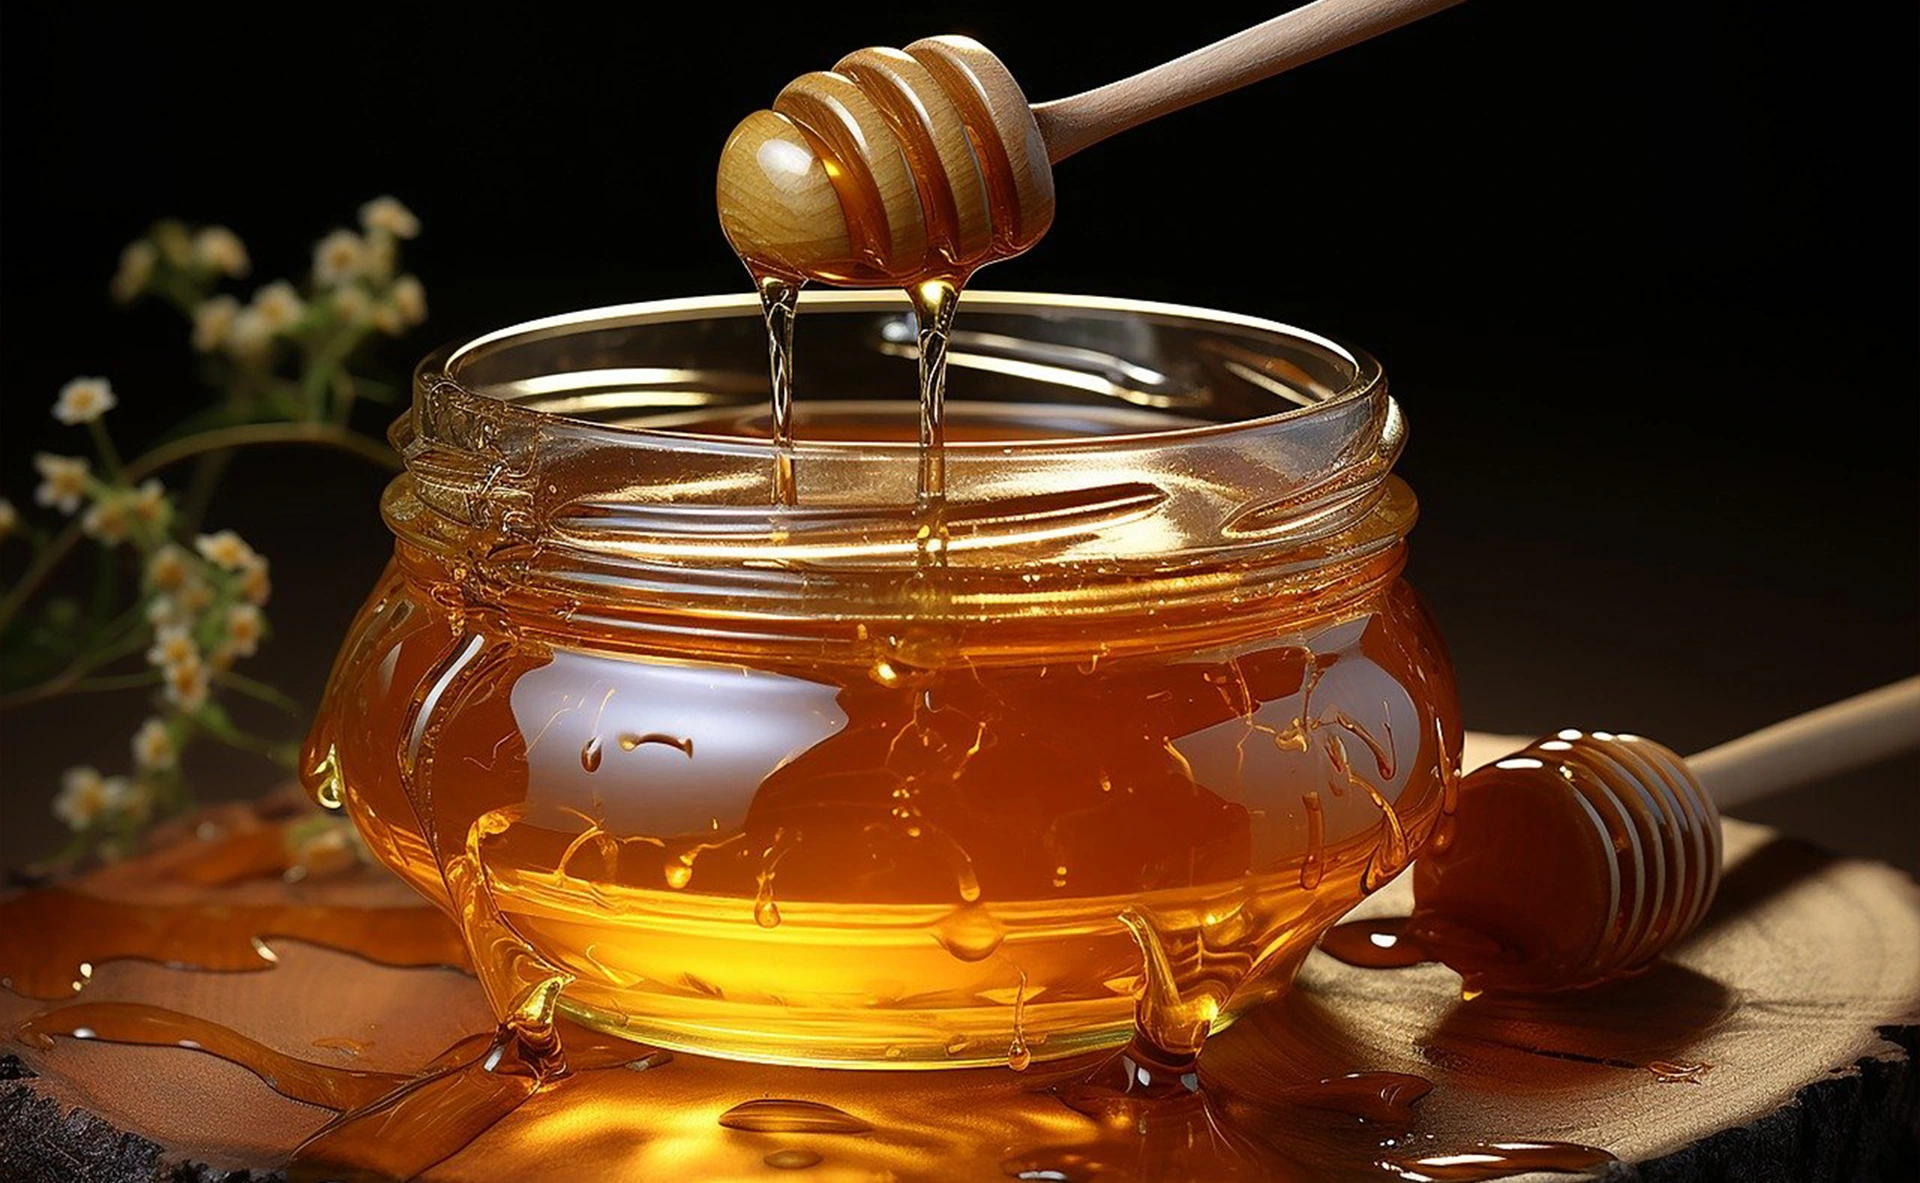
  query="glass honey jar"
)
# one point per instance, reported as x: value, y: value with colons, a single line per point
x: 749, y: 751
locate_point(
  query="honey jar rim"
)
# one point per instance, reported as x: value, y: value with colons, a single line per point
x: 446, y: 364
x: 1290, y: 507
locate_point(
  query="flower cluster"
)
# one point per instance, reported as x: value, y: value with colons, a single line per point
x: 354, y: 289
x: 199, y: 611
x: 194, y: 601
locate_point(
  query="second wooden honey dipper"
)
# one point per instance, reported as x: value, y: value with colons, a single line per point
x: 1583, y: 856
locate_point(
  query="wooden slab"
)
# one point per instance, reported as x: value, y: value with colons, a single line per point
x: 1778, y: 1042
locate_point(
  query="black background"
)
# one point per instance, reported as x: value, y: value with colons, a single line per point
x: 1642, y: 276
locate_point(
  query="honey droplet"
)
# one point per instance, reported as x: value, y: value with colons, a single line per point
x: 1058, y: 1166
x: 1385, y: 1097
x: 323, y: 781
x: 1670, y: 1072
x: 792, y: 1159
x: 779, y: 1115
x: 1491, y: 1160
x: 629, y: 741
x: 1019, y: 1055
x: 341, y: 1044
x: 1314, y: 866
x: 1374, y: 944
x: 766, y: 913
x: 970, y: 933
x: 679, y: 873
x: 590, y: 755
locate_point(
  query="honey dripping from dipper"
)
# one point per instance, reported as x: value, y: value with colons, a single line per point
x: 908, y: 169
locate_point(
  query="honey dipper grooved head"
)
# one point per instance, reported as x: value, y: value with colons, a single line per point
x: 1573, y: 861
x: 894, y: 166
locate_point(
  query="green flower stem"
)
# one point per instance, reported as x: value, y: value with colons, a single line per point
x: 241, y: 684
x: 323, y: 364
x: 207, y: 471
x: 223, y: 730
x: 69, y: 679
x: 323, y: 434
x: 42, y: 566
x: 115, y: 682
x: 109, y: 455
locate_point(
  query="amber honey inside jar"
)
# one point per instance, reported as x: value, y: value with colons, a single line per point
x: 1120, y: 725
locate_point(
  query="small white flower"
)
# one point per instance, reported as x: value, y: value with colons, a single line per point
x: 245, y: 626
x: 168, y: 569
x: 212, y: 321
x: 174, y: 242
x: 153, y: 746
x: 9, y: 517
x: 340, y: 256
x: 352, y: 304
x: 249, y: 336
x: 187, y: 684
x: 163, y: 611
x: 172, y: 646
x: 278, y: 305
x: 108, y: 519
x: 125, y: 798
x: 256, y: 586
x: 388, y: 320
x: 63, y: 481
x: 136, y: 268
x: 225, y: 550
x: 220, y: 249
x: 82, y: 797
x: 149, y: 505
x: 409, y: 297
x: 383, y: 253
x: 83, y: 400
x: 388, y: 215
x: 196, y: 596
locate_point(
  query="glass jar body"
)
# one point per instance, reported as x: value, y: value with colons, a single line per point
x: 851, y: 860
x: 1107, y: 739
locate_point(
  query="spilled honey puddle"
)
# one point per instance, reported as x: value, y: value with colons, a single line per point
x: 1140, y: 1114
x: 55, y: 936
x: 1145, y: 1113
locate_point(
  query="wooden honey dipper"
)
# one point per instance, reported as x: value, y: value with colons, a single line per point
x: 899, y: 166
x: 1581, y: 857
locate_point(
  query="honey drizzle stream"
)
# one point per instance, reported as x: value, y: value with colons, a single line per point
x: 934, y: 304
x: 779, y: 301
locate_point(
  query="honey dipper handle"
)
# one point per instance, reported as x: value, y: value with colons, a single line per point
x: 1820, y: 743
x: 1293, y: 39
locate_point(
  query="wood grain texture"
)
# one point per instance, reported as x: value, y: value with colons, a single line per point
x: 1801, y: 991
x: 1291, y: 39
